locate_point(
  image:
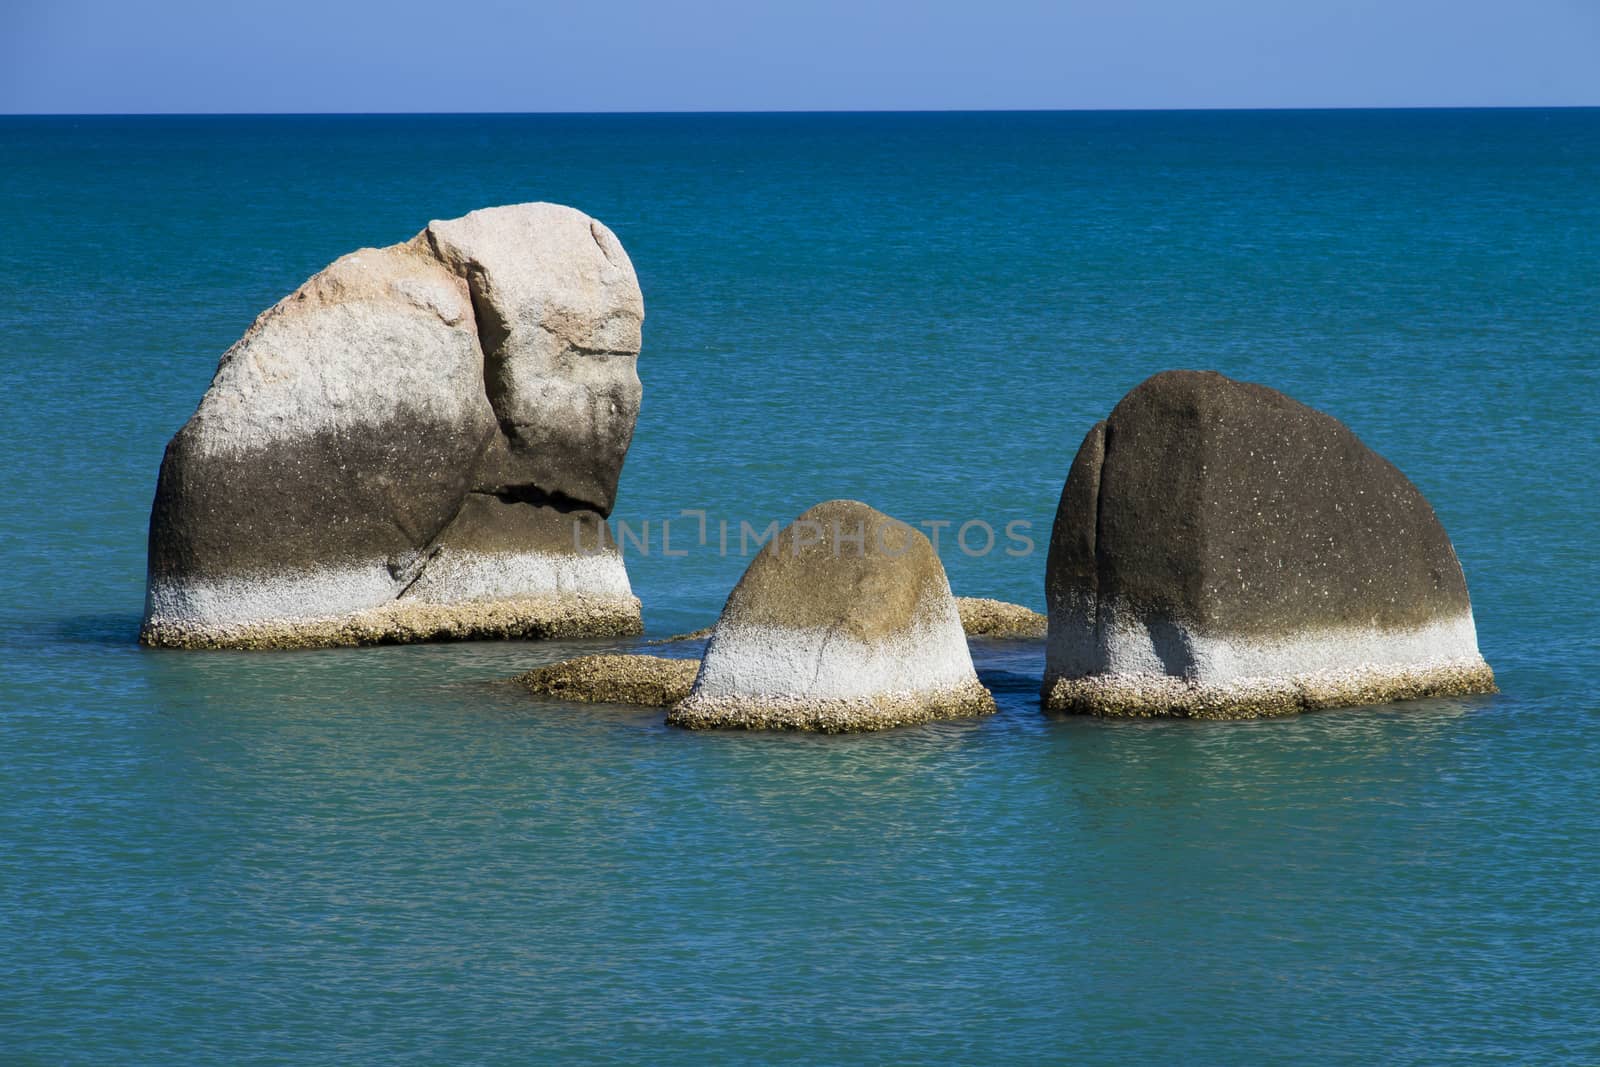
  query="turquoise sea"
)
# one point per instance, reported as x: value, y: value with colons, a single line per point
x: 388, y: 856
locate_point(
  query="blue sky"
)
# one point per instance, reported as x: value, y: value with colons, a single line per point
x: 85, y: 56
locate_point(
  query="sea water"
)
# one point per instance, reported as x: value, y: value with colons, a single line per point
x: 389, y: 856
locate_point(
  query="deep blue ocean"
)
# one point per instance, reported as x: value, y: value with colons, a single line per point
x: 389, y: 856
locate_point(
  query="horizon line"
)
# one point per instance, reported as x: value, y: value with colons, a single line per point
x: 792, y: 111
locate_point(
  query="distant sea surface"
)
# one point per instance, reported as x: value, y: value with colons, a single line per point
x: 387, y: 856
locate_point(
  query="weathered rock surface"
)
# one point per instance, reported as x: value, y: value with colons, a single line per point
x: 982, y: 617
x: 843, y: 622
x: 1223, y: 551
x: 412, y: 445
x: 693, y: 635
x: 653, y: 681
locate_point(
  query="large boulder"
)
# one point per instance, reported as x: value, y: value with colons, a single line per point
x: 421, y: 441
x: 1223, y: 551
x: 844, y: 621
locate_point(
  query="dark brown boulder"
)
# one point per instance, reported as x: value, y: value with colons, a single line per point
x: 423, y: 440
x: 1221, y: 550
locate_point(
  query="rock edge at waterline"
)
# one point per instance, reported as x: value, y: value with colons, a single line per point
x: 651, y: 681
x: 980, y: 617
x: 844, y: 622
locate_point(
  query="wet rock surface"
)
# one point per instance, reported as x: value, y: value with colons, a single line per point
x: 982, y: 617
x: 653, y: 681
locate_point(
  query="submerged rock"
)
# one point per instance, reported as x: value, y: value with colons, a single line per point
x: 653, y: 681
x: 414, y: 444
x: 843, y: 622
x: 1223, y: 551
x: 981, y: 617
x: 693, y: 635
